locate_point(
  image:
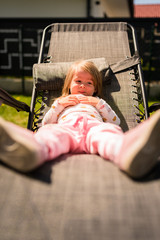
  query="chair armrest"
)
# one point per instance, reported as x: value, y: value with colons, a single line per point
x: 154, y: 107
x: 7, y: 99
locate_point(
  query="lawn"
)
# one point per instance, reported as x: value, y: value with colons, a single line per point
x: 21, y: 118
x: 11, y: 114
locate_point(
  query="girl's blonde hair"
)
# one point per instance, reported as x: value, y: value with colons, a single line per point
x: 87, y: 66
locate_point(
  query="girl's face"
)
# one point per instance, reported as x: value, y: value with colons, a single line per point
x: 82, y: 83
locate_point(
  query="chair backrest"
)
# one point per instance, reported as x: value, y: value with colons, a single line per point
x: 71, y: 41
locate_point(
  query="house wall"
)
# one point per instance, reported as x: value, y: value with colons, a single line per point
x: 64, y: 8
x: 115, y: 8
x: 43, y: 8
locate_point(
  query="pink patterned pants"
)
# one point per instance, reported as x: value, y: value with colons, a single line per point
x: 80, y: 134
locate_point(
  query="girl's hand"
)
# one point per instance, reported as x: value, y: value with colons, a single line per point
x: 89, y: 100
x: 69, y: 100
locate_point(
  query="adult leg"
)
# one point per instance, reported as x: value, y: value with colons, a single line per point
x: 18, y: 148
x: 141, y: 148
x: 24, y: 150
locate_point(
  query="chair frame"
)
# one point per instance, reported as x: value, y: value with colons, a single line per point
x: 42, y: 59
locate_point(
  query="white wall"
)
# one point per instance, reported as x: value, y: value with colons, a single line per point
x: 43, y: 8
x: 97, y: 10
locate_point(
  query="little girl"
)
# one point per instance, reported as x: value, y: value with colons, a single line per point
x: 81, y: 122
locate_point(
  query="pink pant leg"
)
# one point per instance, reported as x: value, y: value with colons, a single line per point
x: 56, y: 139
x: 105, y: 139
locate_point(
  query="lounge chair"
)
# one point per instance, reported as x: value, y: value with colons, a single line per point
x: 82, y: 196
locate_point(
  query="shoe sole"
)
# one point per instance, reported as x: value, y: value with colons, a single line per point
x: 145, y: 152
x: 15, y: 150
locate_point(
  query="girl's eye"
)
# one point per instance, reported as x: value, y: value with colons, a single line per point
x: 78, y: 81
x: 90, y: 83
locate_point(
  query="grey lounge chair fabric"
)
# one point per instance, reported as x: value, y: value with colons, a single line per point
x: 78, y: 197
x: 51, y: 76
x: 84, y: 197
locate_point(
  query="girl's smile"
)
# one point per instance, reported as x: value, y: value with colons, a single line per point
x: 82, y: 83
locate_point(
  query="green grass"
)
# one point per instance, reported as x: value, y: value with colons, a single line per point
x: 21, y: 118
x: 150, y: 102
x: 12, y: 115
